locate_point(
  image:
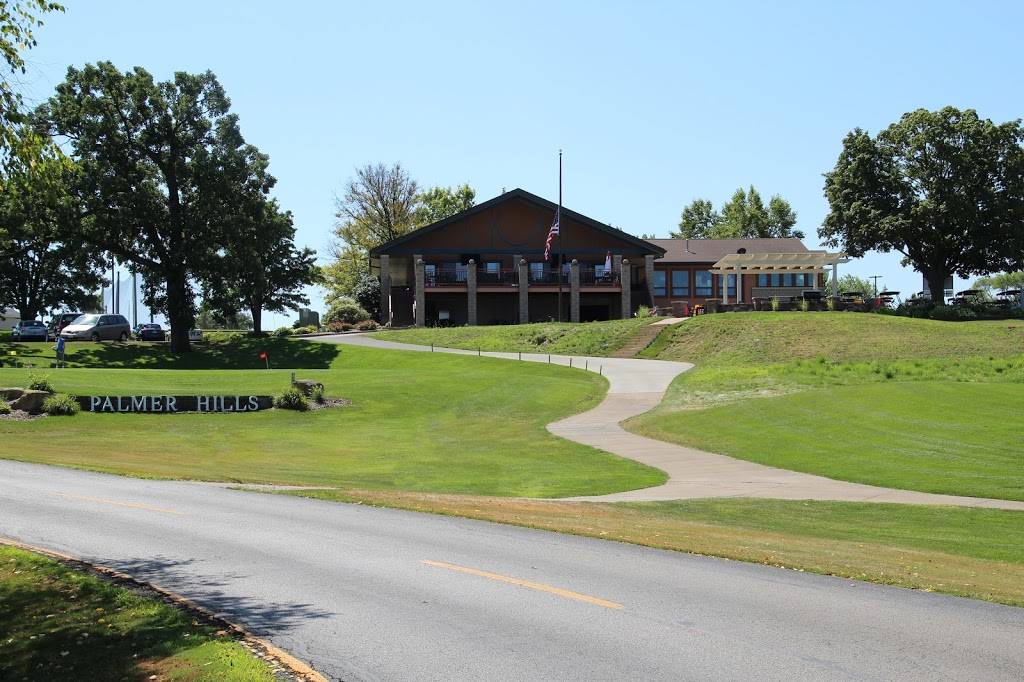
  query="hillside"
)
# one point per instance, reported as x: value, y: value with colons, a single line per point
x: 760, y: 338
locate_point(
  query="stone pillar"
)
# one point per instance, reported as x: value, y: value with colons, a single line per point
x: 627, y: 301
x: 471, y: 293
x: 649, y: 274
x: 524, y: 291
x: 723, y: 284
x: 835, y: 280
x: 616, y: 263
x: 574, y: 291
x: 739, y: 284
x: 385, y: 289
x: 420, y: 304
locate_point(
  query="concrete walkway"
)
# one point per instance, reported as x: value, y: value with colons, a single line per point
x: 637, y: 386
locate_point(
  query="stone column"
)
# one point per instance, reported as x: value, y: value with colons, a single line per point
x: 385, y: 289
x: 627, y: 301
x: 471, y: 293
x: 616, y: 263
x: 835, y: 280
x: 723, y: 284
x: 524, y: 291
x: 574, y: 291
x: 739, y: 284
x: 421, y: 296
x: 649, y: 274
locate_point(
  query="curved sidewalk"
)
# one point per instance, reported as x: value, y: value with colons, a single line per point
x: 637, y: 386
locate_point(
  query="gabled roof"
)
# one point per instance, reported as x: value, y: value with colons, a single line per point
x: 517, y: 193
x: 713, y: 250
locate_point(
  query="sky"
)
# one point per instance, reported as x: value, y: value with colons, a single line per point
x: 654, y: 104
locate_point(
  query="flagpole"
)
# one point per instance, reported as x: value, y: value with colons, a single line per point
x: 558, y: 218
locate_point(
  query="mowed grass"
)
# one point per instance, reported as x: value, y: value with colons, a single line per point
x: 896, y: 402
x: 425, y: 422
x: 64, y: 624
x: 558, y: 338
x: 976, y: 553
x: 764, y: 338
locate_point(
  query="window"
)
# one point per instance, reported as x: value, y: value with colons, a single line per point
x: 680, y: 282
x: 659, y: 282
x: 493, y: 267
x: 776, y: 280
x: 430, y: 272
x: 732, y: 286
x: 703, y: 286
x: 599, y: 271
x: 460, y: 272
x: 762, y: 280
x: 536, y: 271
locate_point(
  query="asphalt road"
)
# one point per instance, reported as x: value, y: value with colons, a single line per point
x: 375, y: 594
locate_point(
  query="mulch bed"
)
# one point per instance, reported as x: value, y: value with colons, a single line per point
x: 21, y: 416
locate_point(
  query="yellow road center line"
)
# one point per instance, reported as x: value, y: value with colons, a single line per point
x: 130, y: 505
x: 541, y: 587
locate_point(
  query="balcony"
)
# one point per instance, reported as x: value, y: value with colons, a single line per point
x: 545, y: 275
x: 504, y: 277
x: 591, y: 276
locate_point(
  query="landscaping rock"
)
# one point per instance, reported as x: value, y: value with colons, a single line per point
x: 307, y: 386
x: 30, y: 401
x: 10, y: 394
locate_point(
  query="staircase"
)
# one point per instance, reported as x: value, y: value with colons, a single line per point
x: 639, y: 341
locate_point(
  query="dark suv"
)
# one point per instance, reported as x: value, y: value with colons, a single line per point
x: 58, y: 322
x: 98, y: 328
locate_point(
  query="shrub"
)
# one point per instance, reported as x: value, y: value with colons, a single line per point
x: 339, y: 326
x: 952, y: 313
x: 60, y: 405
x: 643, y: 311
x: 366, y: 293
x: 345, y: 310
x: 318, y: 395
x: 5, y: 407
x: 284, y: 331
x: 805, y: 305
x: 830, y: 303
x: 776, y: 304
x: 40, y: 382
x: 292, y: 399
x: 308, y: 329
x: 366, y: 325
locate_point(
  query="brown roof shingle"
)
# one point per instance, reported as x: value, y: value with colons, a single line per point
x: 712, y: 250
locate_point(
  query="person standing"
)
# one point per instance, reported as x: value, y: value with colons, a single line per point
x: 59, y: 347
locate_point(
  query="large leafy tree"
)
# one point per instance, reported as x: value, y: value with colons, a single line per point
x: 438, y: 203
x: 161, y: 168
x: 744, y: 216
x: 18, y: 21
x: 259, y: 267
x: 43, y: 264
x: 943, y: 188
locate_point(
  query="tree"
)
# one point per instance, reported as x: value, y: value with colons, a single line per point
x: 744, y: 216
x: 43, y: 265
x: 1000, y: 281
x: 259, y: 268
x: 698, y: 221
x: 851, y: 283
x: 18, y: 20
x: 366, y: 293
x: 438, y: 203
x: 943, y: 188
x: 379, y: 205
x: 161, y: 165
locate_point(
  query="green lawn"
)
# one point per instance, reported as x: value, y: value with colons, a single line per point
x: 897, y: 402
x: 975, y: 553
x: 423, y: 422
x: 63, y: 624
x: 755, y: 338
x: 561, y: 338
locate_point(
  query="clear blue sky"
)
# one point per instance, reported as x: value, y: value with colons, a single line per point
x: 653, y: 103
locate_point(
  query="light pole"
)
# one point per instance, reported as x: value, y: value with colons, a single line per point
x: 876, y: 278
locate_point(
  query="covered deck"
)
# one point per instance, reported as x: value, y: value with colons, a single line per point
x: 813, y: 263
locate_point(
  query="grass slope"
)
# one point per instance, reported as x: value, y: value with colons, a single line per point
x: 747, y: 338
x: 898, y: 402
x: 417, y: 422
x: 63, y: 624
x: 976, y: 553
x: 561, y: 338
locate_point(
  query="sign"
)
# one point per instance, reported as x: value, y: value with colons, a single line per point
x: 947, y: 285
x: 175, y: 403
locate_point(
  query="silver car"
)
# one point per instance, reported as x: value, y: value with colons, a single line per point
x: 98, y: 328
x: 29, y: 330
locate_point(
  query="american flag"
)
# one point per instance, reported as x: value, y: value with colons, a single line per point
x: 552, y: 233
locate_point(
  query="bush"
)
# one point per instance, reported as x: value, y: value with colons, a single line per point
x: 345, y: 310
x: 776, y: 304
x: 40, y: 382
x: 308, y: 329
x: 805, y: 305
x: 60, y: 405
x: 283, y: 331
x: 318, y: 395
x: 292, y: 399
x: 338, y: 326
x: 367, y: 325
x: 830, y: 304
x: 366, y: 293
x: 5, y: 407
x: 952, y: 313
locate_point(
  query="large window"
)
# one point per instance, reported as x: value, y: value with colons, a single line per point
x: 536, y: 271
x: 680, y: 282
x: 732, y: 286
x: 493, y: 267
x: 659, y: 283
x: 702, y: 285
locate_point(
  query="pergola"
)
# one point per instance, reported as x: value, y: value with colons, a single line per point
x: 761, y: 263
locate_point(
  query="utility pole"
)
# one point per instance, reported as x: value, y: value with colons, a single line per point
x: 876, y: 278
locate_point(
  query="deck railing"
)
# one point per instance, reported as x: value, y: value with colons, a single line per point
x: 590, y: 277
x: 505, y: 277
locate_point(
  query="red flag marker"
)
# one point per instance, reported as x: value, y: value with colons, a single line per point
x: 265, y: 358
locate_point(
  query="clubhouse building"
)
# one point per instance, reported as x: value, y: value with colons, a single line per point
x: 486, y: 265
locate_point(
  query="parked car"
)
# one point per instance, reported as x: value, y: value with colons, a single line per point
x: 29, y: 330
x: 58, y: 322
x: 150, y: 332
x: 98, y: 328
